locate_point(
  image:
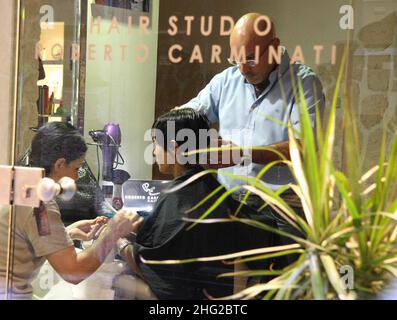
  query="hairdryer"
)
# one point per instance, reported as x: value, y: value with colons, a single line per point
x: 109, y: 140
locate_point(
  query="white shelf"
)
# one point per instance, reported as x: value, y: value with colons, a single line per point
x: 52, y: 62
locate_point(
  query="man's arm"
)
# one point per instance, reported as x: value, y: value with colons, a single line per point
x: 208, y: 99
x: 315, y: 101
x: 266, y: 156
x: 127, y: 253
x: 232, y: 155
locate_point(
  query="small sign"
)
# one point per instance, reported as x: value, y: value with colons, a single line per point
x: 43, y: 225
x: 142, y: 194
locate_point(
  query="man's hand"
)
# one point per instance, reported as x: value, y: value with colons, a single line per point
x: 124, y: 222
x: 86, y: 230
x: 229, y: 155
x: 125, y: 251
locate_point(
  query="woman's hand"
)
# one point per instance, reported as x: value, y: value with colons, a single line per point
x: 86, y: 230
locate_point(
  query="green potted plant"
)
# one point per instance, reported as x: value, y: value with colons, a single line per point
x: 349, y: 250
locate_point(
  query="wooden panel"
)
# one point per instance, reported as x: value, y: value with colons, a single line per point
x: 178, y: 83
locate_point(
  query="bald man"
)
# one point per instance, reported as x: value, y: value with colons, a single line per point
x: 251, y: 36
x: 253, y: 100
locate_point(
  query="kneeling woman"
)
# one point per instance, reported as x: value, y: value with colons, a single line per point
x: 60, y: 150
x: 164, y: 234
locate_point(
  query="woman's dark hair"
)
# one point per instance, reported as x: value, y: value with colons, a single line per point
x: 53, y: 141
x: 180, y: 119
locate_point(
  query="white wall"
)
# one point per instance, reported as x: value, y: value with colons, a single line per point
x: 7, y: 40
x: 122, y: 91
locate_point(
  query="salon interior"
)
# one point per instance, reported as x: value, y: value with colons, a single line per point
x: 111, y: 68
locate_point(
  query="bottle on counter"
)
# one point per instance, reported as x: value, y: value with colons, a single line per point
x: 42, y: 105
x: 50, y: 105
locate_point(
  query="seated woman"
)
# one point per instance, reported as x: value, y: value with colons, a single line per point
x: 163, y: 235
x: 60, y: 150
